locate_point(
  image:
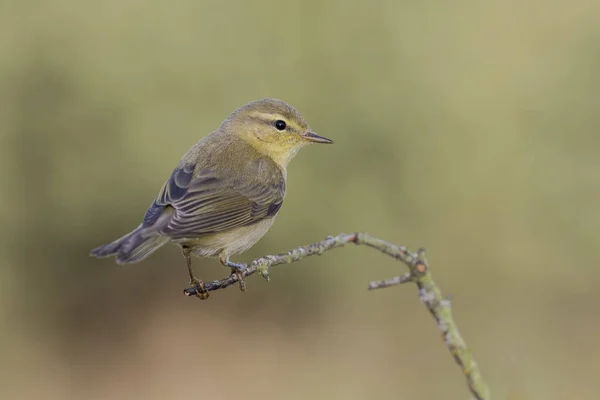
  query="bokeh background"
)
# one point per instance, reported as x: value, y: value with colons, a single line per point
x: 469, y: 128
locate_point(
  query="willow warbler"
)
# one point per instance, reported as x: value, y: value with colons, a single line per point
x: 226, y: 191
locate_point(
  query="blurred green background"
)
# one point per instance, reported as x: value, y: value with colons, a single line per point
x: 469, y: 128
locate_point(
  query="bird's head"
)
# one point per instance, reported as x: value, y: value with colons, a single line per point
x: 273, y: 128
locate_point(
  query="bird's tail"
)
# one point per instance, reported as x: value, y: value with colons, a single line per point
x: 133, y: 247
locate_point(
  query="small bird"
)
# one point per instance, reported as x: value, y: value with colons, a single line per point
x: 226, y: 191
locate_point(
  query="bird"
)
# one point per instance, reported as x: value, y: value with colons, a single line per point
x: 226, y: 191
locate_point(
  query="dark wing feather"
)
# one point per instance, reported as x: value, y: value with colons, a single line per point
x: 205, y: 204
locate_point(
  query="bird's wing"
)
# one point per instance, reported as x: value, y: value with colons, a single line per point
x: 205, y: 203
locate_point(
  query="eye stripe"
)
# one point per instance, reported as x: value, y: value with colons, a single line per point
x: 292, y: 125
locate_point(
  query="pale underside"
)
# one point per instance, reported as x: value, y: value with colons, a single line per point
x: 230, y: 242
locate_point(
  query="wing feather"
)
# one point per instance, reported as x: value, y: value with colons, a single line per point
x: 204, y: 203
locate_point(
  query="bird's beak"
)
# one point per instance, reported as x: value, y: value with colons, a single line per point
x: 313, y: 137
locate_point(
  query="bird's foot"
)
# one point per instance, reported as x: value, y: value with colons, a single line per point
x: 240, y: 277
x: 234, y: 266
x: 237, y: 270
x: 201, y: 291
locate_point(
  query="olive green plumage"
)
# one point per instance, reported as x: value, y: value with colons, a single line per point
x: 227, y: 189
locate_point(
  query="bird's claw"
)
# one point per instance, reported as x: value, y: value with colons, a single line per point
x: 201, y: 291
x: 240, y: 278
x: 237, y: 270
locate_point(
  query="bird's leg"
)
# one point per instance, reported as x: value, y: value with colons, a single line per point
x: 236, y: 269
x: 201, y: 292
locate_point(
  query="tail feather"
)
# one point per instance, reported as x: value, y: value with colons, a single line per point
x: 133, y: 247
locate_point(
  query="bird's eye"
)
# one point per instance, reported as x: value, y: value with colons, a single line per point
x: 280, y: 125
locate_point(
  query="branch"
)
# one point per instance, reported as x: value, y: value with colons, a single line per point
x: 429, y: 293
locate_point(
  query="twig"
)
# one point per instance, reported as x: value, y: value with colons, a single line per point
x: 429, y: 293
x: 397, y: 280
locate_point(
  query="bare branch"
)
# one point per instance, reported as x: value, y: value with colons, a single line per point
x: 397, y: 280
x: 429, y: 293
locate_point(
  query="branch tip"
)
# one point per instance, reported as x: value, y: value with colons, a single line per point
x: 397, y: 280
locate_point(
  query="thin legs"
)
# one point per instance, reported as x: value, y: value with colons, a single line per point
x: 197, y: 283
